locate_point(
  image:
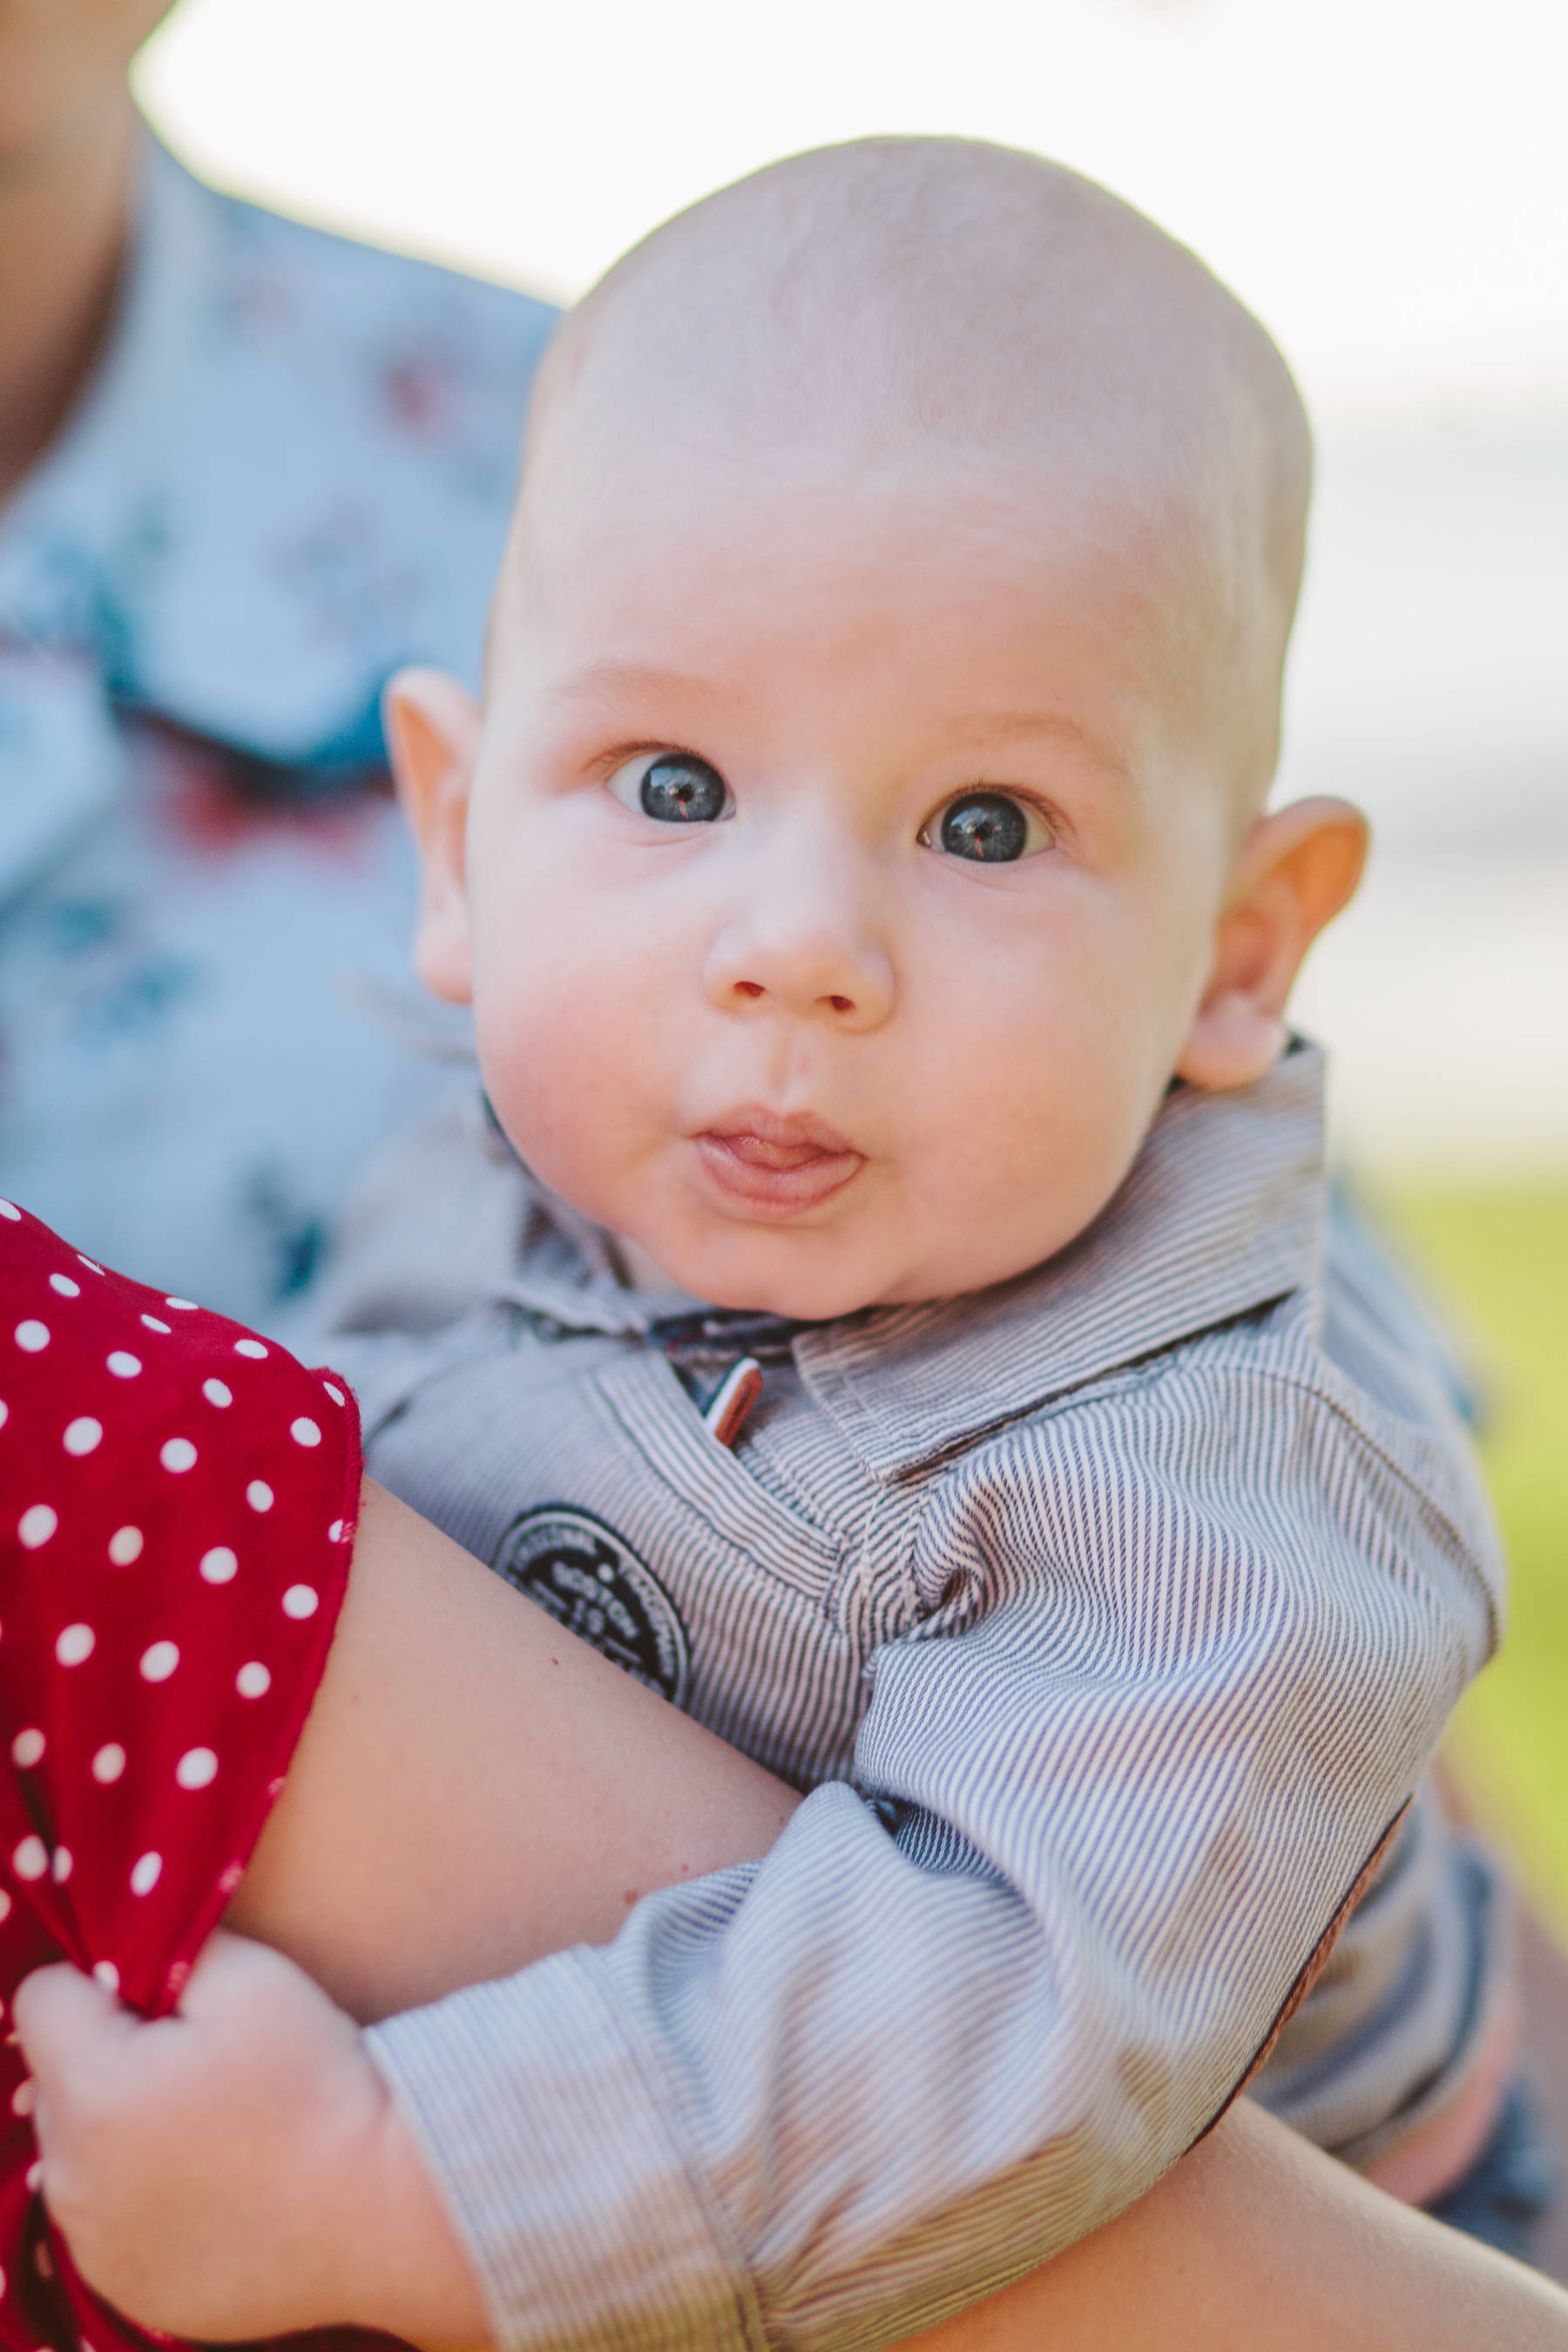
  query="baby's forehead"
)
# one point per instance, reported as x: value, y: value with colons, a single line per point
x: 928, y: 289
x: 959, y: 317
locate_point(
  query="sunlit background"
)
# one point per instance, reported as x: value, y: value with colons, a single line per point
x: 1386, y: 182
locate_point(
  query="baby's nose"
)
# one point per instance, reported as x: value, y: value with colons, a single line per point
x: 809, y: 971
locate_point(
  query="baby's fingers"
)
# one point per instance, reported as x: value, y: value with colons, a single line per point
x: 68, y: 2025
x: 236, y: 1983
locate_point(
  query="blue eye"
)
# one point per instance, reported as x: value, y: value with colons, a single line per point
x: 674, y: 788
x: 989, y: 827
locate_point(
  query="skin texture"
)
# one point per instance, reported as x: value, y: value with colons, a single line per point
x: 805, y: 1057
x: 61, y: 64
x: 68, y: 133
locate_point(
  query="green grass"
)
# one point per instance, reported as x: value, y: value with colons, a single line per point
x: 1498, y: 1260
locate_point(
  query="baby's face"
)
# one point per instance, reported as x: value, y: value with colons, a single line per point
x: 838, y: 890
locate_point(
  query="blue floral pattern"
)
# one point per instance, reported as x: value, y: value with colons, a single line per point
x: 290, y: 472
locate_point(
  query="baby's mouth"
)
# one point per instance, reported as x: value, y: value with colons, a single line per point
x: 773, y: 1165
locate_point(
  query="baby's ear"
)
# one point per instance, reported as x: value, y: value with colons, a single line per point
x: 1295, y: 871
x: 433, y: 733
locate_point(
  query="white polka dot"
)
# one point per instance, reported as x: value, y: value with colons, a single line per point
x: 62, y: 1865
x: 28, y: 1749
x: 197, y: 1769
x: 65, y: 1285
x: 159, y: 1662
x: 300, y: 1600
x: 215, y: 1393
x: 24, y: 2098
x: 305, y: 1432
x: 108, y: 1763
x: 146, y: 1874
x: 184, y: 1305
x: 107, y: 1974
x: 32, y: 1336
x: 125, y: 1546
x: 336, y: 1394
x: 249, y: 1348
x: 31, y: 1859
x: 335, y: 1532
x: 177, y: 1454
x: 5, y: 1904
x: 74, y: 1644
x: 34, y: 2178
x: 154, y: 1325
x: 252, y: 1681
x: 229, y: 1877
x: 4, y: 1413
x: 124, y: 1367
x: 36, y: 1525
x: 83, y: 1433
x: 9, y: 1209
x: 91, y: 1264
x: 258, y: 1495
x: 219, y: 1566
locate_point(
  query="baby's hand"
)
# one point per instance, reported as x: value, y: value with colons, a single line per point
x: 237, y: 2170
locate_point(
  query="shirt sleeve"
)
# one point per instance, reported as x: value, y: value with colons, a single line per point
x: 1187, y: 1649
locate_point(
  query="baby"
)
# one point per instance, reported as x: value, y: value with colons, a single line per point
x: 879, y: 958
x: 921, y: 1359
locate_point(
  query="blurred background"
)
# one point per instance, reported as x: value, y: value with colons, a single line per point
x: 1386, y: 182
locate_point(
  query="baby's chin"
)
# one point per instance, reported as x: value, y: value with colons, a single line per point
x: 798, y: 1295
x: 794, y: 1275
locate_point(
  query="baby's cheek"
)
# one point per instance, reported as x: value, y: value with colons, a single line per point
x: 566, y: 1059
x: 1027, y: 1129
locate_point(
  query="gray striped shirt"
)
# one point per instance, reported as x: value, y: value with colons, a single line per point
x: 1111, y: 1617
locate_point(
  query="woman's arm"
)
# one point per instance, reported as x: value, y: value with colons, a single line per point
x: 475, y: 1787
x: 1260, y: 2242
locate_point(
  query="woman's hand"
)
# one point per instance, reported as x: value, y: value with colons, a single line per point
x: 237, y: 2168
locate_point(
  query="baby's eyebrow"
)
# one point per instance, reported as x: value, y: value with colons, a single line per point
x: 981, y: 734
x: 611, y: 684
x: 1000, y: 726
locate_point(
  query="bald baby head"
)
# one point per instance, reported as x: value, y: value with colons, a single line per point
x: 896, y: 309
x: 862, y: 827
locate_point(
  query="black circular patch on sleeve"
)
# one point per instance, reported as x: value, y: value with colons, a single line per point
x: 590, y: 1581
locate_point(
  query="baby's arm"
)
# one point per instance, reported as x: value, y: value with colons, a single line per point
x: 1133, y: 1760
x: 239, y: 2167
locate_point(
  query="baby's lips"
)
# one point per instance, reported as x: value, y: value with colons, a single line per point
x: 795, y: 1136
x: 766, y: 1175
x: 757, y: 1152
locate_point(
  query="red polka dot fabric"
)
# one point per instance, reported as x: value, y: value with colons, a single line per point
x: 177, y: 1520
